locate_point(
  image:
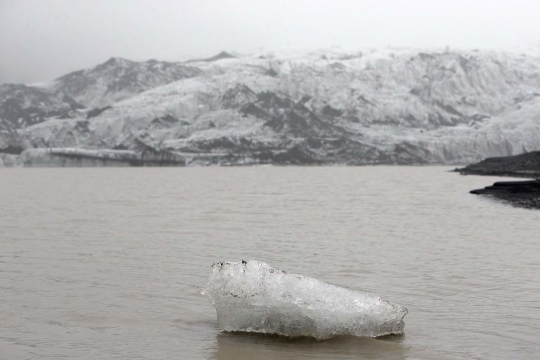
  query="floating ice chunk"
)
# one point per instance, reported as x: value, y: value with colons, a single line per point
x: 251, y: 296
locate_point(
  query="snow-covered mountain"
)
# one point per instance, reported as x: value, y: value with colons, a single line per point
x: 386, y: 106
x: 22, y: 106
x: 118, y: 79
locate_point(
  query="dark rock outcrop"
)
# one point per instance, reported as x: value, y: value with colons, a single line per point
x: 525, y: 165
x: 525, y: 194
x: 12, y: 150
x: 97, y: 111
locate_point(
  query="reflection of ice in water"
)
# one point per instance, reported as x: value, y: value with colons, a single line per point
x: 251, y: 296
x: 255, y: 346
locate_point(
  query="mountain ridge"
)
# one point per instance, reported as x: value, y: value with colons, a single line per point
x: 117, y: 79
x: 382, y: 106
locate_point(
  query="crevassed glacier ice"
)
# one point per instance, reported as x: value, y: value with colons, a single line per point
x: 253, y: 297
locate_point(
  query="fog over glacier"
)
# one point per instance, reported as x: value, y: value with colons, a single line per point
x: 42, y: 40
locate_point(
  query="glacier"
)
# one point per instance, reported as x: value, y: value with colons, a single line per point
x: 329, y: 106
x: 251, y: 296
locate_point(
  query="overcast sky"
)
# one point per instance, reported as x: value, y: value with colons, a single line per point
x: 43, y: 39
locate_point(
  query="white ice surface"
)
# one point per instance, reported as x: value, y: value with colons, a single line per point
x: 253, y: 297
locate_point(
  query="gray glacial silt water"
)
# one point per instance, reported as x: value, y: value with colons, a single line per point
x: 108, y: 263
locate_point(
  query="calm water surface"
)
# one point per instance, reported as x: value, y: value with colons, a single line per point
x: 107, y: 263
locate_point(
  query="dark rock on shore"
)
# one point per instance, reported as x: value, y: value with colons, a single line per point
x: 525, y: 165
x: 524, y: 194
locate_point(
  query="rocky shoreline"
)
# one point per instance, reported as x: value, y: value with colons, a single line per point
x: 523, y: 194
x: 525, y: 165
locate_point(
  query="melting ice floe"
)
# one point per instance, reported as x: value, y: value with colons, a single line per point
x: 251, y: 296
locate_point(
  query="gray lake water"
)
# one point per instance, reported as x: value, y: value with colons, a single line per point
x: 107, y: 263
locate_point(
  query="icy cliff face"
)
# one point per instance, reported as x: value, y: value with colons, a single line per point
x: 68, y: 157
x: 253, y: 297
x: 389, y: 106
